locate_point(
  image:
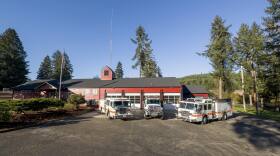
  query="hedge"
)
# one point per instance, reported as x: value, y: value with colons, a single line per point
x: 76, y: 99
x: 35, y: 104
x: 5, y: 112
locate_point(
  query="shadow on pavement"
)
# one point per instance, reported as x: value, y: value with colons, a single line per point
x: 65, y: 121
x: 48, y: 123
x: 260, y: 133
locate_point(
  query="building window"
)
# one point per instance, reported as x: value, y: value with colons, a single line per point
x: 87, y: 91
x: 171, y: 99
x: 134, y: 99
x: 151, y: 97
x: 94, y: 91
x: 106, y: 73
x: 113, y: 96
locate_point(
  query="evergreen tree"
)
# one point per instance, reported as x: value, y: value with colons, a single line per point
x: 150, y: 69
x: 220, y: 52
x: 45, y: 70
x: 159, y: 73
x: 119, y: 71
x: 143, y: 50
x: 13, y: 66
x: 56, y: 65
x: 272, y: 47
x: 249, y: 49
x: 143, y: 55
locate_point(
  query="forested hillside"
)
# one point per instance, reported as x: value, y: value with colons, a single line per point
x: 211, y: 84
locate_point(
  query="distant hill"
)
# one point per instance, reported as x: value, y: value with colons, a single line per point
x: 206, y: 80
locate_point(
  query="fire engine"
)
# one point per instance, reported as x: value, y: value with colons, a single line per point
x: 153, y: 108
x: 204, y: 110
x: 116, y: 108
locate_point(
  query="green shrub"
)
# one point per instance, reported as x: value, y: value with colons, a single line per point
x: 69, y: 106
x: 36, y: 104
x: 5, y: 111
x: 76, y: 100
x: 236, y: 98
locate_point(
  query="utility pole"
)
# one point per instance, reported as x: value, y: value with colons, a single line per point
x: 111, y: 36
x: 243, y: 90
x: 60, y: 77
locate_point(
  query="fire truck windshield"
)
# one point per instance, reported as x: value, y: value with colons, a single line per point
x: 182, y: 105
x: 121, y: 103
x: 191, y: 106
x: 153, y: 101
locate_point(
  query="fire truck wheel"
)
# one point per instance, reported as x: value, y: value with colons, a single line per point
x: 145, y: 116
x: 204, y: 120
x: 225, y: 116
x: 108, y: 115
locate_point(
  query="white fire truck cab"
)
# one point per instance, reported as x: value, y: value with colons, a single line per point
x: 204, y: 110
x: 153, y: 108
x: 116, y: 108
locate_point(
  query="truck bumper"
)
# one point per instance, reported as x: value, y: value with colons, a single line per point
x: 191, y: 119
x: 124, y: 116
x: 154, y: 114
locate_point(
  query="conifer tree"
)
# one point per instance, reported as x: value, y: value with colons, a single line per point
x: 159, y: 73
x: 56, y: 65
x: 150, y: 69
x: 45, y: 70
x: 220, y: 52
x: 119, y: 71
x: 272, y: 48
x: 249, y: 48
x: 143, y: 55
x: 13, y: 64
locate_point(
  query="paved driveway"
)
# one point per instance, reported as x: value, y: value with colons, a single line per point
x: 91, y: 134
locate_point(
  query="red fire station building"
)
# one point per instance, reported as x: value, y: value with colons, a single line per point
x: 168, y: 89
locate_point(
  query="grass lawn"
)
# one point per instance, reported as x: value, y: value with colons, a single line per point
x: 252, y: 111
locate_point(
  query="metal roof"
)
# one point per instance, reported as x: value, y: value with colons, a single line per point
x: 122, y: 83
x: 86, y: 83
x: 97, y: 83
x: 196, y: 89
x: 144, y: 82
x: 32, y: 85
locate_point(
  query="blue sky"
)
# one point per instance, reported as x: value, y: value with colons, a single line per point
x: 178, y: 28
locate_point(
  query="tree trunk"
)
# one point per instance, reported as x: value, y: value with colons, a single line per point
x: 251, y: 101
x: 254, y: 77
x: 244, y: 102
x: 141, y: 69
x: 275, y: 103
x: 220, y: 88
x: 262, y: 103
x: 243, y: 90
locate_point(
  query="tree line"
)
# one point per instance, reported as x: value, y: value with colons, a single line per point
x: 14, y: 66
x: 254, y: 50
x: 51, y: 68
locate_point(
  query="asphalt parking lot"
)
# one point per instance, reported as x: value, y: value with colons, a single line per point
x: 92, y: 134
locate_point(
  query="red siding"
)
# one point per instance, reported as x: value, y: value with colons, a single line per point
x: 138, y: 90
x: 101, y: 91
x: 204, y: 95
x: 110, y: 74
